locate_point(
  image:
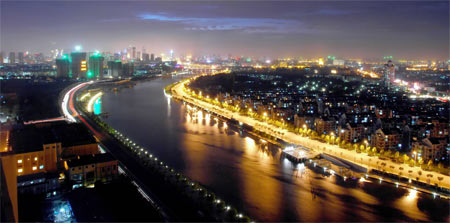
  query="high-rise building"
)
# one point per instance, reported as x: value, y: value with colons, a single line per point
x: 79, y: 64
x: 138, y: 56
x: 1, y: 58
x: 63, y: 67
x: 145, y: 57
x: 95, y: 66
x: 128, y: 69
x: 133, y: 53
x: 389, y: 74
x: 12, y: 58
x: 20, y: 57
x: 152, y: 57
x: 115, y: 68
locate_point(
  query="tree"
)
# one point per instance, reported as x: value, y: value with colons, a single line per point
x: 387, y: 153
x: 397, y: 155
x: 440, y: 165
x: 405, y: 158
x: 362, y: 148
x: 430, y: 164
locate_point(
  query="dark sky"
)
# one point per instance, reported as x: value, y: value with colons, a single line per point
x: 352, y: 29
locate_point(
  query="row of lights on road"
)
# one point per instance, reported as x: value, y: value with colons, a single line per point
x: 140, y: 151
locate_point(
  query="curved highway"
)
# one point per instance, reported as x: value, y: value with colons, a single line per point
x: 170, y: 207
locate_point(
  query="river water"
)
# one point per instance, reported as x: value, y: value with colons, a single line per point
x: 254, y: 177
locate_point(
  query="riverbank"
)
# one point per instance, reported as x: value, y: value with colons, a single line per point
x: 178, y: 91
x: 188, y: 199
x: 235, y: 165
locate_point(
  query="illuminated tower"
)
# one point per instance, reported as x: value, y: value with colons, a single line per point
x: 389, y: 74
x: 95, y: 66
x: 133, y: 53
x: 79, y: 64
x: 63, y: 67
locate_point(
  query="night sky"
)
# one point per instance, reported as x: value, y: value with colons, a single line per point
x: 351, y: 29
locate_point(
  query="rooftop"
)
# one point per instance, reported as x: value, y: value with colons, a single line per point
x: 90, y: 159
x: 30, y: 138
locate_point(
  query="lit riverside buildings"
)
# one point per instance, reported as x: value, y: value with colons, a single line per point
x: 95, y: 66
x: 63, y: 67
x: 79, y: 64
x: 115, y: 68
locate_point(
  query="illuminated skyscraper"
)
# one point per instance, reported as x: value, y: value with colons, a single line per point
x: 95, y: 66
x: 152, y: 57
x: 12, y: 58
x: 1, y: 58
x: 133, y: 53
x: 389, y: 74
x: 79, y: 64
x: 63, y: 67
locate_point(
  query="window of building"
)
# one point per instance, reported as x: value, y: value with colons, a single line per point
x: 35, y: 158
x: 20, y: 170
x: 34, y: 168
x: 19, y: 161
x: 41, y: 167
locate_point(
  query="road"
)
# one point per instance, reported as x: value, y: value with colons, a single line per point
x: 179, y: 92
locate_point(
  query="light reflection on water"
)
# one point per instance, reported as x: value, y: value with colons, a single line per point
x: 254, y: 176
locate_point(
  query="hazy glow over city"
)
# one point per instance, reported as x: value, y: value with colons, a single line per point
x: 354, y: 29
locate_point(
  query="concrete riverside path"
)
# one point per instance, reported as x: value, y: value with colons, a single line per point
x: 370, y: 162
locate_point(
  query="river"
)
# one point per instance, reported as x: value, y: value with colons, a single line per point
x: 254, y: 177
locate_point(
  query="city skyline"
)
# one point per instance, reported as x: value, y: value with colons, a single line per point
x: 410, y: 30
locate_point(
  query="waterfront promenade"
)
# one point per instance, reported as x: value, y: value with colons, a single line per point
x: 370, y: 162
